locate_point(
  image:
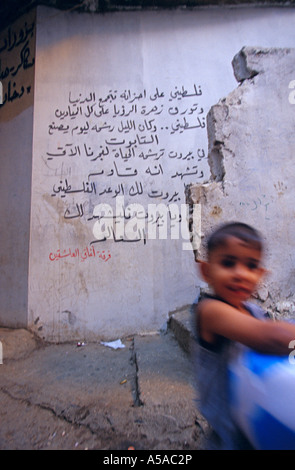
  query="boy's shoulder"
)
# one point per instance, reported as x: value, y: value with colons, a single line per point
x: 207, y: 301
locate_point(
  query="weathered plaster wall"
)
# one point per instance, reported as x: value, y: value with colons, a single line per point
x: 251, y: 157
x: 17, y: 55
x: 90, y: 71
x: 87, y: 68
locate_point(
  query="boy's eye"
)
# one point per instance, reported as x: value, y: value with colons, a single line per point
x: 228, y: 263
x: 252, y: 265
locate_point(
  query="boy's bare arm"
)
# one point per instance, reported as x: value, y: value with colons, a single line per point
x: 218, y: 318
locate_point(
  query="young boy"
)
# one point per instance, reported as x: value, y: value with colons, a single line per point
x: 225, y: 320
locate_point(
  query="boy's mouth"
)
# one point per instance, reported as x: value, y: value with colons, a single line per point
x: 240, y: 290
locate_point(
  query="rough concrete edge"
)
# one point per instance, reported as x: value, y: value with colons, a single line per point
x: 247, y: 62
x: 201, y: 194
x: 217, y: 114
x: 181, y: 324
x: 245, y: 67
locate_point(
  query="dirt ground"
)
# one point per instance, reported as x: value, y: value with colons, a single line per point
x: 90, y: 396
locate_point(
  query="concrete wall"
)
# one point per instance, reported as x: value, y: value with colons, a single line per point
x: 17, y: 55
x: 251, y: 156
x: 92, y: 145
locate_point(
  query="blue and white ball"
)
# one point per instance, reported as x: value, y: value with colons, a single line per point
x: 262, y: 398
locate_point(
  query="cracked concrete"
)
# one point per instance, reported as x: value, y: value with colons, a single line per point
x: 60, y: 396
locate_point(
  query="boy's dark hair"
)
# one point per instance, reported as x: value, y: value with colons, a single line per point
x: 239, y: 230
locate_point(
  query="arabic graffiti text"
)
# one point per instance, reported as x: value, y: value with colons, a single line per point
x: 81, y: 255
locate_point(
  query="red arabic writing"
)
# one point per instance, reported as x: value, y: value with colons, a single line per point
x: 82, y: 255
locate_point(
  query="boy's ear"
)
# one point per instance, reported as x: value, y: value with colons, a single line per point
x: 263, y: 272
x: 204, y: 269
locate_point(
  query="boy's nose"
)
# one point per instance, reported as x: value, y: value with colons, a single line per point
x: 240, y: 270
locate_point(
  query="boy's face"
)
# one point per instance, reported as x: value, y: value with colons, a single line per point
x: 233, y: 271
